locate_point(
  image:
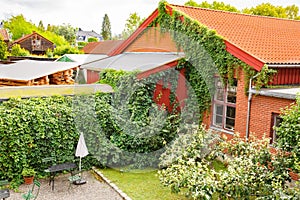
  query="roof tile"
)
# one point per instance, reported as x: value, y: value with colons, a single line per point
x: 272, y: 40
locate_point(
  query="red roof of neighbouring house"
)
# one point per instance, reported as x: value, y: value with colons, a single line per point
x: 103, y: 47
x: 28, y: 36
x: 271, y: 40
x: 256, y: 40
x: 4, y: 34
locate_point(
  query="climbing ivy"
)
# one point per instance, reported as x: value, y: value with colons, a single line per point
x: 206, y: 50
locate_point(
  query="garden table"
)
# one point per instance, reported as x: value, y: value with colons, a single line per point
x: 59, y: 167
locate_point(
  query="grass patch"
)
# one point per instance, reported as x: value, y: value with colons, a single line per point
x: 141, y: 184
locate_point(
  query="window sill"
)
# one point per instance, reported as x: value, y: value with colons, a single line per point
x: 222, y: 130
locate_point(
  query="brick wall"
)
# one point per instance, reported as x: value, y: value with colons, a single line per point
x: 262, y: 108
x: 241, y: 106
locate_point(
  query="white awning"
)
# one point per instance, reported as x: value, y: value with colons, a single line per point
x: 134, y: 61
x: 27, y: 70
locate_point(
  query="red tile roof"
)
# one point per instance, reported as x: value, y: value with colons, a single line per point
x: 103, y: 47
x: 4, y: 34
x: 269, y: 40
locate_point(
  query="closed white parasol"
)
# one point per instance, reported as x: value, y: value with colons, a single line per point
x: 81, y: 150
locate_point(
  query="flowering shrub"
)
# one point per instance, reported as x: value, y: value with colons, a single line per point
x: 252, y: 171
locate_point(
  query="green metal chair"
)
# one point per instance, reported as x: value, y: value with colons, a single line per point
x: 49, y: 161
x: 76, y: 178
x: 33, y: 192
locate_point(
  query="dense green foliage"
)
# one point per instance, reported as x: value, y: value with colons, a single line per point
x: 112, y: 77
x: 3, y: 49
x: 31, y: 130
x: 264, y: 9
x: 251, y: 172
x: 66, y: 49
x: 288, y: 133
x: 267, y: 9
x: 17, y: 50
x: 106, y: 28
x: 66, y: 31
x: 92, y: 39
x: 80, y: 45
x: 124, y: 128
x: 215, y: 5
x: 132, y: 23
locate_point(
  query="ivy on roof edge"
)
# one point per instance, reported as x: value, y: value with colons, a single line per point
x: 206, y: 49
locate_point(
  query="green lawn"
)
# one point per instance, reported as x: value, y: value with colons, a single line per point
x: 141, y: 185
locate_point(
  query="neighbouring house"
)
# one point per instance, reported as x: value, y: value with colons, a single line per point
x: 30, y: 73
x: 83, y: 36
x: 103, y: 47
x: 4, y: 35
x: 35, y: 43
x: 257, y: 41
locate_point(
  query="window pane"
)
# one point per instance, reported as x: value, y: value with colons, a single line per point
x: 276, y: 123
x: 219, y: 91
x: 231, y: 97
x: 218, y: 121
x: 218, y: 115
x: 219, y: 110
x: 230, y: 118
x: 231, y: 93
x: 230, y: 112
x: 230, y: 123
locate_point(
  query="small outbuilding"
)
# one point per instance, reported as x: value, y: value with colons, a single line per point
x: 35, y: 43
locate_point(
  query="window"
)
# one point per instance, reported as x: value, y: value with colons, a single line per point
x: 275, y: 122
x: 224, y: 105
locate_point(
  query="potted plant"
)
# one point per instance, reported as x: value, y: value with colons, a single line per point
x: 28, y: 175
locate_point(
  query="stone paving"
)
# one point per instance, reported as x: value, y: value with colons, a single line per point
x: 95, y: 188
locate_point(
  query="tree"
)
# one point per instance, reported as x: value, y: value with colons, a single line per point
x: 18, y: 26
x: 3, y: 49
x: 106, y: 28
x: 215, y: 5
x: 267, y: 9
x: 292, y: 12
x: 132, y: 23
x: 67, y: 31
x: 41, y: 26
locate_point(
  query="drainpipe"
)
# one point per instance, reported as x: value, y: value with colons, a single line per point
x: 249, y: 106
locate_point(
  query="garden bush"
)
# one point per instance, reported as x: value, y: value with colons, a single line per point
x: 123, y: 128
x: 252, y: 172
x: 288, y: 133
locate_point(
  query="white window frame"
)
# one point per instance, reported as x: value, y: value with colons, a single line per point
x: 222, y: 91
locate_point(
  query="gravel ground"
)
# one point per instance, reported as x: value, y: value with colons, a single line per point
x: 93, y: 189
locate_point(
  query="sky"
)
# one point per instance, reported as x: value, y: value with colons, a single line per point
x: 88, y: 14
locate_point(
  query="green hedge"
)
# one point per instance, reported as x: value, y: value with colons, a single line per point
x: 35, y: 128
